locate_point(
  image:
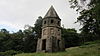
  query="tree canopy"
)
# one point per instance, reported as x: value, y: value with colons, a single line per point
x: 89, y: 18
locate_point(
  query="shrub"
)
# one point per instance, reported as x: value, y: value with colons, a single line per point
x: 9, y: 53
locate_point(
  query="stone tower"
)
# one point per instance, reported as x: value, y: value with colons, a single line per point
x: 51, y: 40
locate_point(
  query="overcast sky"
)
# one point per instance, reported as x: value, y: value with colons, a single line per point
x: 15, y: 14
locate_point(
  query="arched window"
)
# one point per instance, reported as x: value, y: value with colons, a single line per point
x: 58, y: 30
x: 52, y: 21
x: 58, y: 23
x: 44, y: 22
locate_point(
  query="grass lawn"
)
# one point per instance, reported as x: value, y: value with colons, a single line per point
x: 89, y: 49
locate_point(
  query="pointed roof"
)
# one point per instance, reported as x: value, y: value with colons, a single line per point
x: 51, y: 13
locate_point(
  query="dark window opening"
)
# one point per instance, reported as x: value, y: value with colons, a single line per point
x: 58, y: 30
x: 44, y: 22
x: 58, y: 23
x: 58, y: 43
x: 52, y: 21
x: 44, y: 44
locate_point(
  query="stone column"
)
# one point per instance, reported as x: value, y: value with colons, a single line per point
x: 39, y: 42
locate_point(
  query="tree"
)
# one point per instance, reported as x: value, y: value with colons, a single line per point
x: 25, y: 40
x: 5, y: 40
x: 29, y: 40
x: 38, y: 25
x: 4, y: 31
x: 71, y: 37
x: 89, y: 16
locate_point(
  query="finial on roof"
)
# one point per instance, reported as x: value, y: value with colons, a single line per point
x: 51, y: 12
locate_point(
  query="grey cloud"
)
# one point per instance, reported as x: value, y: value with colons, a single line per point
x: 21, y: 12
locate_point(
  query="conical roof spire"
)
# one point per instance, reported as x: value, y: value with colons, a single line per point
x: 51, y: 13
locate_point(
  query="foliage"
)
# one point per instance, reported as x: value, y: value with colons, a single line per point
x: 38, y: 26
x: 89, y: 16
x: 30, y: 43
x: 20, y: 41
x: 71, y: 37
x: 89, y: 44
x: 25, y: 40
x: 9, y: 53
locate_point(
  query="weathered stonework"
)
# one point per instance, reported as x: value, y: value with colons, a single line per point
x: 51, y: 40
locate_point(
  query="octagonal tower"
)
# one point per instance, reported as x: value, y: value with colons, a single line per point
x: 51, y: 40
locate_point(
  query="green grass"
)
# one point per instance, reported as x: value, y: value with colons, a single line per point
x: 88, y: 49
